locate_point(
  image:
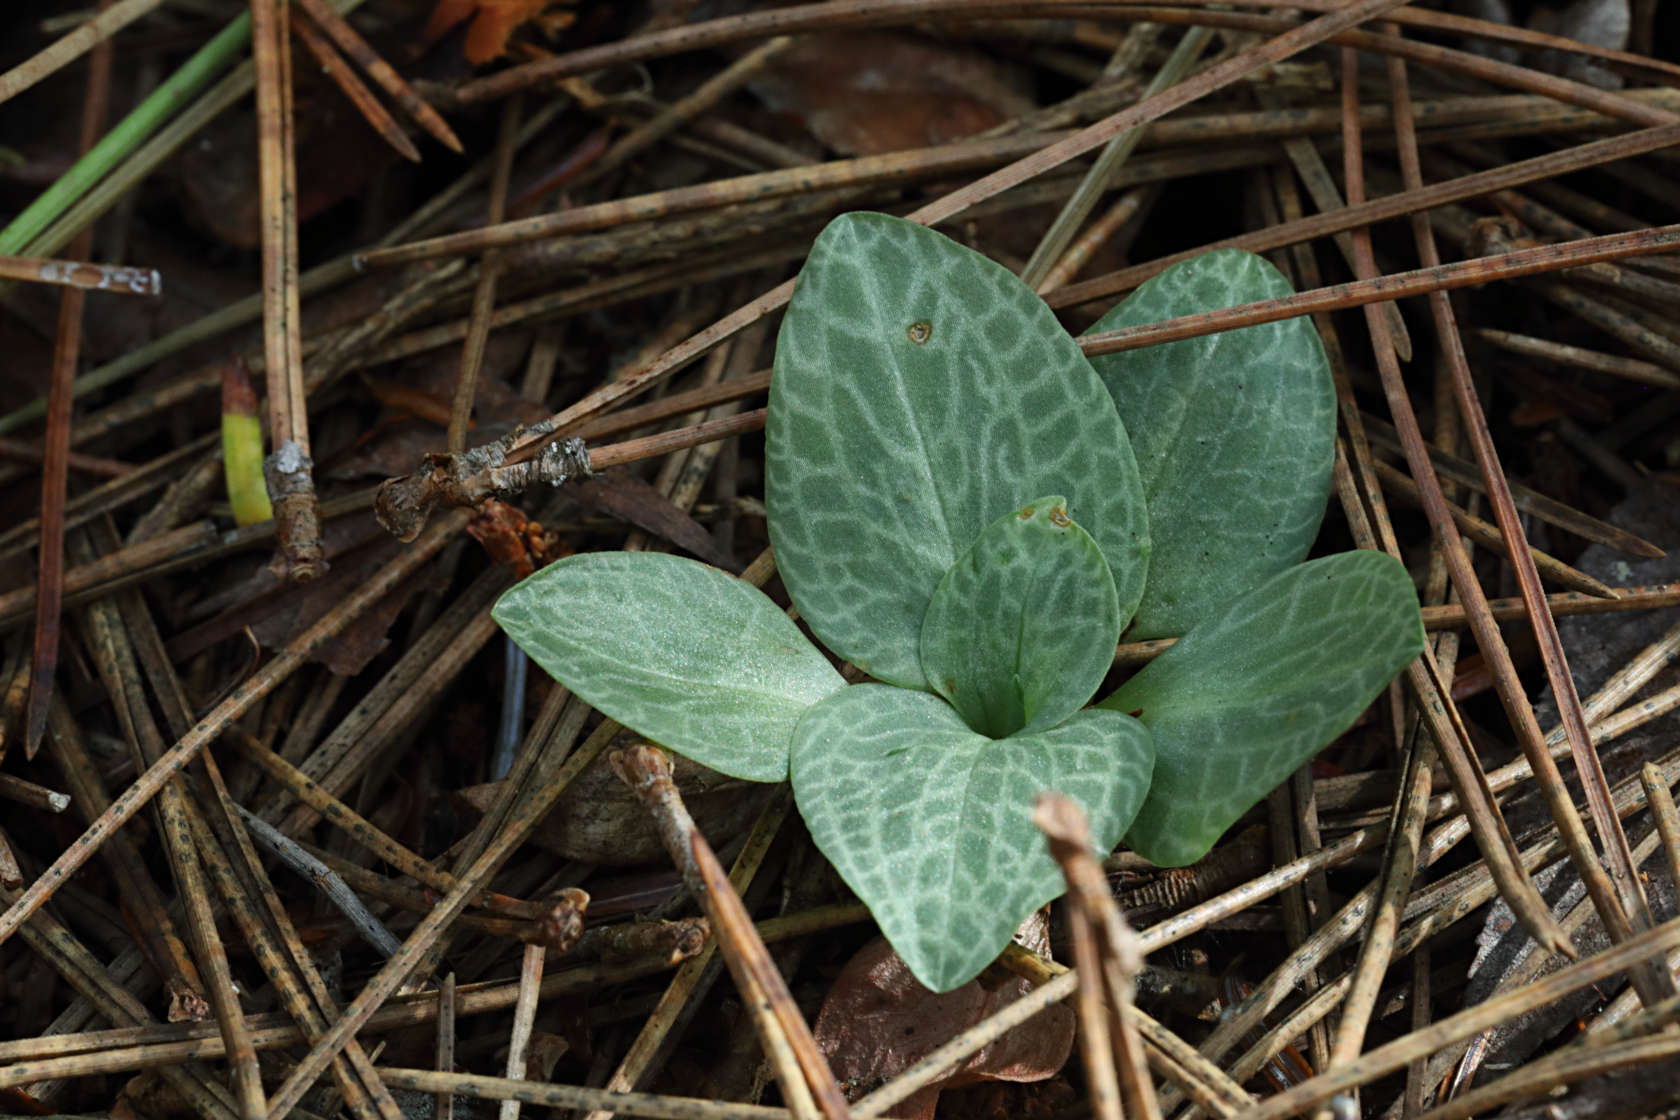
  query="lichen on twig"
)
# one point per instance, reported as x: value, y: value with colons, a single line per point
x: 476, y: 475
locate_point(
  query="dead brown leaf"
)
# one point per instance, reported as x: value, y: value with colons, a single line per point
x: 364, y: 639
x: 628, y: 498
x: 878, y: 1020
x: 338, y: 156
x: 513, y: 539
x: 870, y: 92
x: 276, y: 612
x: 598, y: 819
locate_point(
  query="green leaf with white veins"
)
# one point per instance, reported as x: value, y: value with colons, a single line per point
x: 931, y: 823
x: 921, y: 392
x: 1260, y: 687
x: 676, y: 650
x: 1022, y: 628
x: 1234, y: 435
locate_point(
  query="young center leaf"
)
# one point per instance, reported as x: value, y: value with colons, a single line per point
x: 922, y: 391
x: 1022, y: 628
x: 1259, y: 687
x: 676, y: 650
x: 1234, y: 435
x: 931, y: 823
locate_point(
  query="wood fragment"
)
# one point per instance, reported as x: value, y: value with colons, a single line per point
x: 444, y: 1103
x: 78, y: 965
x: 1400, y: 861
x: 164, y: 553
x: 1395, y: 1055
x: 23, y: 452
x: 665, y: 252
x: 1107, y: 954
x: 23, y: 792
x: 1041, y: 265
x: 524, y: 1014
x: 1310, y: 166
x: 1488, y: 536
x: 1646, y: 373
x: 170, y: 1045
x: 56, y: 443
x: 607, y: 1101
x: 125, y: 628
x: 1524, y: 900
x: 814, y: 17
x: 352, y: 44
x: 484, y: 292
x: 1464, y: 472
x: 1619, y: 899
x: 156, y: 931
x: 288, y: 468
x: 334, y: 66
x: 373, y: 931
x: 261, y: 683
x: 11, y: 875
x: 110, y: 19
x: 396, y: 970
x: 705, y: 97
x: 1399, y: 285
x: 800, y: 1067
x: 283, y: 957
x: 485, y: 472
x: 83, y: 274
x: 1125, y: 211
x: 1661, y: 801
x: 468, y: 478
x: 1207, y: 81
x: 681, y: 939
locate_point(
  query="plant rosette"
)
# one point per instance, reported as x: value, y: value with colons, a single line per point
x: 966, y: 508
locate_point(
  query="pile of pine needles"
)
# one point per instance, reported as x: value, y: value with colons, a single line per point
x: 277, y: 833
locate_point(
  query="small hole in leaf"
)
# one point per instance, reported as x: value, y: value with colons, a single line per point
x: 1059, y: 518
x: 920, y: 331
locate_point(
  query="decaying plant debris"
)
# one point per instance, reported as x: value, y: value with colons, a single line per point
x: 604, y: 264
